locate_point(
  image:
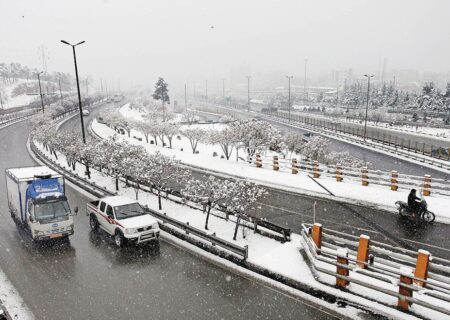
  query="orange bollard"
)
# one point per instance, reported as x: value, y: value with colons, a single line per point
x: 426, y: 185
x: 339, y: 177
x: 394, y: 180
x: 342, y: 258
x: 294, y: 166
x: 421, y: 271
x: 258, y: 161
x: 365, y: 176
x: 405, y: 278
x: 363, y: 251
x: 276, y: 164
x: 317, y: 235
x: 316, y: 173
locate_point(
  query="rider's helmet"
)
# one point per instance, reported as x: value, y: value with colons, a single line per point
x: 413, y: 190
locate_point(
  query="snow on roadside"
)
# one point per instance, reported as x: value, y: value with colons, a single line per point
x: 12, y: 300
x: 372, y: 195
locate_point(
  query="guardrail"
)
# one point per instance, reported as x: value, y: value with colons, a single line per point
x: 210, y: 237
x: 393, y: 180
x: 376, y: 266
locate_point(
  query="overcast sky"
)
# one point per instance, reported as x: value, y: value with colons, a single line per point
x: 197, y: 39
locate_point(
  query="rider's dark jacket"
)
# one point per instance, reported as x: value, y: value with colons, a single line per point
x: 413, y: 203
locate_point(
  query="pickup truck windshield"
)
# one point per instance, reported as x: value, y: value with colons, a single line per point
x: 128, y: 211
x: 58, y: 209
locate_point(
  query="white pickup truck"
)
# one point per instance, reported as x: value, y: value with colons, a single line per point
x: 123, y: 218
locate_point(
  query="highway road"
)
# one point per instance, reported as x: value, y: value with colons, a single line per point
x: 291, y: 210
x: 88, y: 278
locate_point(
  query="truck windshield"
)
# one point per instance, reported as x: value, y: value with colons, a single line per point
x: 128, y: 211
x: 54, y: 210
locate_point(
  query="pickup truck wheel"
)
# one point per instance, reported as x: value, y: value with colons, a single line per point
x: 93, y: 222
x: 119, y: 239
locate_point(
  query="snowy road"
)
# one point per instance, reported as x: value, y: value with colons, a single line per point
x: 90, y: 279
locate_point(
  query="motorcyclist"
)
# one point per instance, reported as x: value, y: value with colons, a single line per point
x: 414, y: 202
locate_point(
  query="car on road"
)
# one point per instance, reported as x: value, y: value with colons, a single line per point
x: 85, y: 112
x: 124, y: 219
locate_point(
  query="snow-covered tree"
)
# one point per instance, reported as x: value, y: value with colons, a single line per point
x: 294, y: 142
x: 161, y: 170
x: 209, y: 192
x: 194, y: 135
x: 255, y: 135
x: 226, y: 138
x: 316, y: 148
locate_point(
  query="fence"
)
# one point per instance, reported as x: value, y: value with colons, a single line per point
x: 409, y: 145
x: 393, y: 180
x: 411, y: 277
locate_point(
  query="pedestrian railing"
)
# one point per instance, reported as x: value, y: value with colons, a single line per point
x: 376, y: 270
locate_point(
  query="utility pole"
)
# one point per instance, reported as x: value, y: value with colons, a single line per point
x: 195, y: 93
x: 289, y: 95
x: 40, y: 90
x: 223, y: 88
x: 60, y: 93
x: 101, y: 84
x: 206, y: 89
x: 337, y: 95
x: 368, y: 76
x: 248, y: 93
x: 185, y: 96
x: 1, y: 100
x: 87, y: 86
x: 305, y: 95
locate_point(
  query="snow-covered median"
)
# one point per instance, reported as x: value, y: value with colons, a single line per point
x: 372, y: 195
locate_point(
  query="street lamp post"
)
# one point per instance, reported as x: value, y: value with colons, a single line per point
x: 368, y: 76
x: 289, y: 95
x: 223, y: 88
x: 40, y: 90
x: 78, y: 85
x: 60, y: 93
x: 304, y: 82
x: 83, y: 135
x: 248, y: 93
x: 206, y: 89
x: 185, y: 96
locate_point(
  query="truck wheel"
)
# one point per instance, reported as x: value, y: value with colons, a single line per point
x: 119, y: 239
x: 93, y: 222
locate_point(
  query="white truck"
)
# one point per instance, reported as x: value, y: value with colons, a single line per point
x: 37, y: 202
x: 125, y: 219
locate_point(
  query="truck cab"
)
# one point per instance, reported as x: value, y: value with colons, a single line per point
x: 37, y: 202
x: 124, y: 219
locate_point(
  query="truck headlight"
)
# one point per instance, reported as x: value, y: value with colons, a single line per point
x: 38, y: 233
x: 70, y: 228
x: 130, y: 230
x: 155, y: 225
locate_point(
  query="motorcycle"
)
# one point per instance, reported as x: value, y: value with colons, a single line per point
x: 422, y: 213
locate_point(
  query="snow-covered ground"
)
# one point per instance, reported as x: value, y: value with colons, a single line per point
x: 282, y: 258
x: 18, y: 101
x: 372, y: 195
x: 11, y: 299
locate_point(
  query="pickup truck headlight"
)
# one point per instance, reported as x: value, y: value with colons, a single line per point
x: 130, y: 230
x: 70, y: 228
x: 38, y: 233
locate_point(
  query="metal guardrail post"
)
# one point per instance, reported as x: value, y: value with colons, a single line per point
x: 316, y: 173
x: 342, y: 259
x: 405, y: 281
x: 276, y: 164
x: 394, y: 180
x: 421, y: 271
x: 317, y: 235
x: 294, y: 166
x: 426, y: 185
x: 363, y: 251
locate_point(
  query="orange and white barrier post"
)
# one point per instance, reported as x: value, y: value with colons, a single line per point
x: 363, y: 251
x: 342, y: 258
x: 316, y: 235
x: 316, y: 173
x: 365, y: 176
x: 276, y: 164
x: 426, y: 185
x: 339, y: 177
x: 406, y: 278
x: 421, y: 271
x: 294, y: 166
x: 258, y: 161
x: 394, y: 180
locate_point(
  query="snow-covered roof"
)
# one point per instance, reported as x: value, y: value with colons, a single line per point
x: 116, y: 201
x: 29, y: 173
